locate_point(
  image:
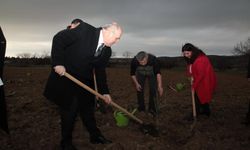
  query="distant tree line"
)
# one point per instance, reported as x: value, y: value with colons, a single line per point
x: 22, y: 62
x: 241, y: 53
x: 219, y: 62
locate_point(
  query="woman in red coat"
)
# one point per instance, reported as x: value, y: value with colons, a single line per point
x: 202, y: 75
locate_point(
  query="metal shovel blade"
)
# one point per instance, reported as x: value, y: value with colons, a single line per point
x: 149, y: 129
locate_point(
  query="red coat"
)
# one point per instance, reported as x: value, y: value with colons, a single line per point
x: 204, y: 82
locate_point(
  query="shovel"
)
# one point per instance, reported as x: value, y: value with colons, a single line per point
x: 193, y: 101
x: 194, y: 108
x: 146, y: 128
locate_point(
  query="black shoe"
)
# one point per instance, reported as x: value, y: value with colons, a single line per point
x: 153, y: 113
x: 246, y: 121
x: 141, y: 109
x: 68, y: 147
x: 206, y: 113
x: 99, y: 140
x: 100, y: 106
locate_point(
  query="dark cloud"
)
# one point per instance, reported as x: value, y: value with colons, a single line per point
x: 159, y: 26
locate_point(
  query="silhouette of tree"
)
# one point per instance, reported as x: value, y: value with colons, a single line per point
x: 242, y: 48
x: 127, y: 54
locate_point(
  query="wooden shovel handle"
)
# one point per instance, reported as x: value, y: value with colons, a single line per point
x: 95, y: 82
x: 101, y: 96
x: 193, y: 99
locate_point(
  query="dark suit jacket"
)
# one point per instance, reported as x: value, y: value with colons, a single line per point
x: 2, y: 51
x: 75, y: 50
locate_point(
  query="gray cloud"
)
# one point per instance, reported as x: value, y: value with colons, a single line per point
x: 159, y: 26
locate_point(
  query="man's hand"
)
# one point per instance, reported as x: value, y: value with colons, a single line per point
x: 60, y: 70
x: 107, y: 99
x: 138, y: 87
x: 160, y: 90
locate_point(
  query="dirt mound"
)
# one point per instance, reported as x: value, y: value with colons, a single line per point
x: 34, y: 121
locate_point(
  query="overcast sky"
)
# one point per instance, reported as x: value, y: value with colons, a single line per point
x: 160, y: 27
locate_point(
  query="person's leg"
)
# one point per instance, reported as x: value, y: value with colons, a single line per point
x: 197, y: 104
x: 3, y: 111
x: 88, y: 116
x: 206, y: 109
x: 87, y: 110
x: 248, y: 113
x: 152, y: 107
x: 67, y: 124
x: 140, y: 94
x: 247, y: 119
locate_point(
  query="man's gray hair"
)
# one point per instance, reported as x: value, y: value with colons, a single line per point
x: 113, y: 26
x: 141, y: 55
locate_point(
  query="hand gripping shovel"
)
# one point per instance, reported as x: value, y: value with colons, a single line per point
x: 146, y: 128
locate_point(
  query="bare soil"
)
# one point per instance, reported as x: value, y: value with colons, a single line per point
x: 34, y: 121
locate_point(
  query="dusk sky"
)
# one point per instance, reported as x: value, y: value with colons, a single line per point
x: 160, y: 27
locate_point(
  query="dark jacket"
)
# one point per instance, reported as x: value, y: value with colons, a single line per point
x: 2, y: 51
x: 75, y: 50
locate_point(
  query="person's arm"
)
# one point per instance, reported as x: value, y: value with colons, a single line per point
x: 102, y: 86
x: 59, y: 44
x: 133, y: 67
x: 159, y: 83
x: 100, y: 65
x: 157, y: 71
x: 2, y: 51
x: 136, y: 83
x: 101, y: 80
x: 57, y: 55
x: 198, y: 71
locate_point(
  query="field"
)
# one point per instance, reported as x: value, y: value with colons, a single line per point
x: 34, y: 121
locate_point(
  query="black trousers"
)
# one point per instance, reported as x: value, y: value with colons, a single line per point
x: 3, y: 111
x: 83, y: 107
x: 201, y: 109
x: 248, y: 113
x: 152, y: 93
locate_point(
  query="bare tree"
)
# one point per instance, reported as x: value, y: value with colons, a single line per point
x: 45, y: 54
x: 127, y: 54
x: 35, y: 55
x: 113, y: 54
x: 24, y: 55
x: 242, y: 48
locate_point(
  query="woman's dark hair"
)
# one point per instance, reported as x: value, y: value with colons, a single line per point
x: 195, y: 52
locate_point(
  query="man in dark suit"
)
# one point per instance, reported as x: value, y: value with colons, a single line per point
x: 247, y: 119
x: 77, y: 51
x: 3, y: 113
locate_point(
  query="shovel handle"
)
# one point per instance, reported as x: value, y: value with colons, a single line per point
x: 96, y: 89
x: 193, y: 100
x: 101, y: 96
x: 172, y: 88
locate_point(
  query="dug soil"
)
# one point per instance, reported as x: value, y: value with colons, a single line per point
x: 34, y: 121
